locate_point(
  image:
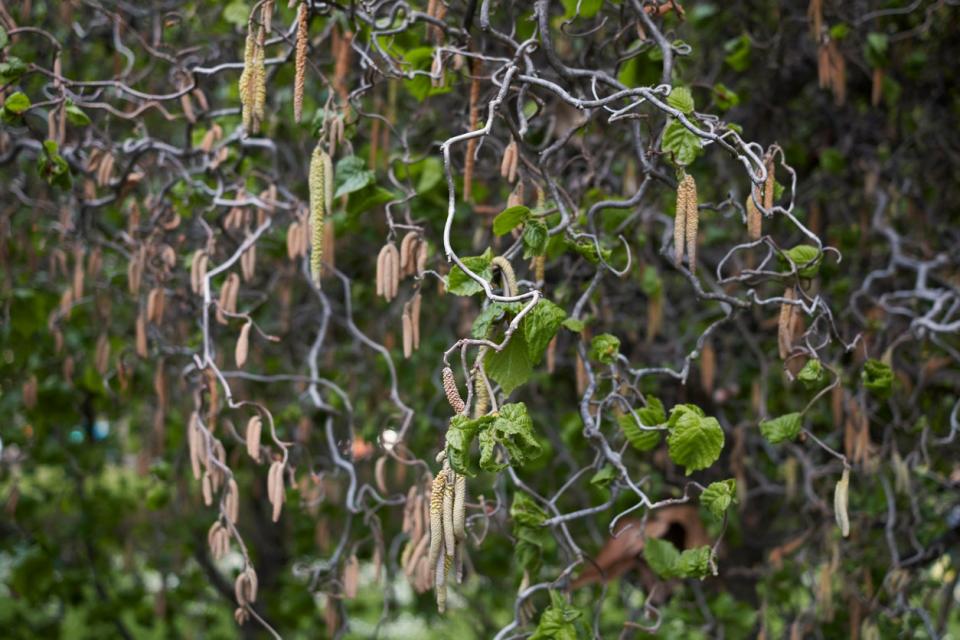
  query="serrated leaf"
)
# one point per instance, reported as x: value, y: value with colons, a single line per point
x: 694, y: 563
x: 680, y: 143
x: 351, y: 174
x: 12, y: 69
x: 535, y: 236
x: 662, y: 557
x: 459, y: 439
x: 653, y: 413
x: 559, y: 621
x: 459, y: 283
x: 512, y: 428
x: 511, y: 366
x: 485, y: 319
x: 877, y: 377
x: 639, y: 438
x: 539, y: 327
x: 718, y: 496
x: 785, y: 427
x: 811, y: 376
x: 695, y: 442
x: 681, y: 99
x: 510, y: 218
x: 680, y: 410
x: 604, y: 348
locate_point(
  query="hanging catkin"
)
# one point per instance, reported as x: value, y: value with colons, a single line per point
x: 785, y: 323
x: 259, y: 79
x: 453, y: 394
x: 693, y: 220
x: 840, y: 502
x: 303, y: 18
x: 459, y: 507
x: 437, y: 491
x: 508, y: 275
x: 474, y: 120
x: 770, y: 185
x: 246, y: 80
x: 680, y: 219
x: 321, y: 198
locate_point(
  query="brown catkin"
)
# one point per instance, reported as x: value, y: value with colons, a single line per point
x: 303, y: 18
x: 254, y: 426
x: 415, y: 319
x: 453, y: 394
x: 785, y: 323
x: 243, y: 345
x: 754, y: 218
x: 141, y: 336
x: 321, y: 199
x: 693, y: 220
x: 474, y: 120
x: 231, y: 501
x: 407, y: 327
x: 275, y: 490
x: 408, y: 247
x: 770, y: 185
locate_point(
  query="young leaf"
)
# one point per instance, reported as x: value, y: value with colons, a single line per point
x: 534, y: 238
x: 681, y: 99
x: 459, y: 283
x: 639, y: 439
x: 16, y: 103
x: 539, y: 327
x: 811, y: 376
x: 718, y: 496
x: 694, y: 563
x: 786, y: 427
x: 877, y: 377
x: 76, y: 115
x: 511, y: 366
x: 662, y: 557
x: 350, y: 175
x: 509, y: 218
x: 695, y: 442
x: 604, y: 476
x: 681, y: 143
x: 604, y: 348
x: 806, y: 257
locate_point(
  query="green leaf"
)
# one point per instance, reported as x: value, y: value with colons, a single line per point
x: 350, y: 175
x: 786, y: 427
x: 52, y: 167
x: 653, y: 413
x: 16, y: 103
x: 695, y: 442
x: 509, y: 218
x: 539, y: 327
x: 681, y: 98
x: 588, y: 8
x: 431, y: 174
x: 694, y: 563
x: 3, y: 38
x: 76, y: 115
x: 368, y: 198
x: 421, y: 86
x: 527, y: 512
x: 531, y: 536
x: 738, y: 52
x: 640, y: 439
x: 807, y: 258
x: 535, y: 236
x: 559, y: 621
x: 839, y: 31
x: 487, y: 317
x: 651, y: 284
x: 236, y: 13
x: 662, y: 557
x: 12, y: 69
x: 725, y: 97
x: 680, y: 143
x: 604, y: 476
x: 511, y: 366
x: 512, y: 428
x: 680, y: 410
x: 718, y: 496
x: 460, y: 284
x: 604, y: 348
x: 877, y: 377
x: 460, y: 437
x: 574, y: 324
x: 811, y: 376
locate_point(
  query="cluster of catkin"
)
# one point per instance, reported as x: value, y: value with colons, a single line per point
x: 686, y: 222
x: 253, y: 78
x: 436, y: 525
x: 245, y: 590
x: 509, y: 162
x: 321, y: 201
x: 411, y: 325
x: 394, y: 264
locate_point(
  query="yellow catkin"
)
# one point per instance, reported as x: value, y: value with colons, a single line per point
x: 259, y: 80
x: 303, y: 18
x: 449, y: 539
x: 321, y: 199
x: 482, y: 403
x: 246, y: 80
x: 509, y: 276
x: 693, y: 220
x: 459, y: 507
x: 680, y: 220
x: 436, y: 517
x: 453, y: 394
x: 840, y: 502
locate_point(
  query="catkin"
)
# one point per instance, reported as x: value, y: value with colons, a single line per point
x: 508, y: 164
x: 472, y: 142
x: 449, y: 539
x: 436, y: 517
x: 509, y: 276
x: 459, y: 507
x: 198, y: 271
x: 246, y: 80
x: 453, y: 394
x: 388, y: 271
x: 195, y: 444
x: 692, y: 218
x: 141, y: 336
x: 785, y: 323
x: 415, y: 319
x: 840, y: 503
x: 231, y: 501
x: 275, y: 491
x: 680, y: 221
x: 754, y: 219
x: 243, y: 345
x: 407, y: 327
x: 351, y: 577
x: 254, y: 426
x: 259, y: 79
x: 408, y: 248
x: 321, y: 198
x: 770, y: 185
x: 303, y: 18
